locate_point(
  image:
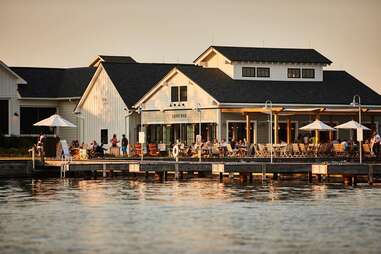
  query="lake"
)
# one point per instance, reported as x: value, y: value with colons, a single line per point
x: 192, y: 216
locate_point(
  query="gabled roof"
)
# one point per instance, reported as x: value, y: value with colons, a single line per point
x: 133, y: 81
x: 273, y: 55
x: 112, y: 59
x: 53, y: 82
x: 19, y: 79
x: 337, y: 88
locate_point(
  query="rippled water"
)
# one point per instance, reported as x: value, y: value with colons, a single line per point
x: 197, y: 216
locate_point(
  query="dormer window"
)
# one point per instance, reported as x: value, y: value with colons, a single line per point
x: 293, y: 73
x: 179, y: 93
x: 263, y: 72
x: 248, y: 71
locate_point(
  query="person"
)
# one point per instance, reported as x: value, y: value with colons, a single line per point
x: 40, y: 144
x: 114, y: 141
x: 376, y: 144
x: 124, y: 145
x: 223, y: 146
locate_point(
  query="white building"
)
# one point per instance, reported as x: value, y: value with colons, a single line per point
x: 228, y: 85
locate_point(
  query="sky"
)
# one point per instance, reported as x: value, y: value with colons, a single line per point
x: 71, y: 33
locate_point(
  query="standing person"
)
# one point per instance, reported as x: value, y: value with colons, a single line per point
x: 124, y: 145
x: 114, y: 141
x: 376, y: 144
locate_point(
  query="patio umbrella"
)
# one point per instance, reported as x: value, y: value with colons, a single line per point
x: 55, y: 121
x: 317, y: 125
x: 352, y: 125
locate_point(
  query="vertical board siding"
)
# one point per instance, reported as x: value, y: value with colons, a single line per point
x: 8, y: 90
x: 66, y: 110
x: 103, y: 109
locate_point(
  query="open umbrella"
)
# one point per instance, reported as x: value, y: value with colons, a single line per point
x: 352, y: 125
x: 317, y: 125
x: 55, y: 121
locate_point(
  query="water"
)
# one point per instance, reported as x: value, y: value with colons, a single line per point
x: 197, y: 216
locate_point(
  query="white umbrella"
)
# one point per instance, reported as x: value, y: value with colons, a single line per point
x: 55, y: 121
x: 317, y: 125
x: 352, y: 125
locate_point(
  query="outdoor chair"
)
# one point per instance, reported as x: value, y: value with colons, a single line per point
x: 66, y: 156
x: 296, y: 152
x: 262, y: 152
x: 338, y: 150
x: 367, y: 151
x: 138, y: 149
x: 215, y: 151
x: 152, y: 150
x: 230, y: 151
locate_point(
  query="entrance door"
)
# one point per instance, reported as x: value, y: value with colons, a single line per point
x: 4, y: 117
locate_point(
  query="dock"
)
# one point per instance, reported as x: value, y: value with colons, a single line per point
x: 349, y: 171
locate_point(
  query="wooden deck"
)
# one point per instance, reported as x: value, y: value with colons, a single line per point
x: 244, y: 169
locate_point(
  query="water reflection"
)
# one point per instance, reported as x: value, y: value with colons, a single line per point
x: 195, y: 216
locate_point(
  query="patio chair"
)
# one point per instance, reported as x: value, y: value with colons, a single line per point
x: 138, y: 149
x: 230, y: 151
x: 66, y: 155
x: 296, y: 152
x: 215, y: 151
x: 338, y: 150
x: 367, y: 151
x: 152, y: 150
x: 262, y: 150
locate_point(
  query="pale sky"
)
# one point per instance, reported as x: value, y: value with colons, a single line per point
x: 70, y: 33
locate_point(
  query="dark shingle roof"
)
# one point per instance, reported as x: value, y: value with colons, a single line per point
x: 133, y: 81
x: 53, y: 82
x: 117, y: 59
x: 338, y: 87
x: 283, y: 55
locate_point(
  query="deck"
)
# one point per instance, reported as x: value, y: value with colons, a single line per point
x: 349, y: 171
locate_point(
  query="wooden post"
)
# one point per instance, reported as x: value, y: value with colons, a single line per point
x: 221, y: 176
x: 317, y: 133
x: 250, y: 177
x: 289, y: 141
x: 275, y: 176
x: 104, y: 170
x: 370, y: 175
x: 248, y: 129
x: 276, y: 127
x: 310, y: 177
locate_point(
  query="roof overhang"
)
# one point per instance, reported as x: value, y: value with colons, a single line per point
x: 19, y: 79
x: 162, y: 82
x: 206, y: 53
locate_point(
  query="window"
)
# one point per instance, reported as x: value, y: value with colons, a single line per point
x: 248, y: 71
x: 29, y: 116
x: 293, y: 73
x: 263, y: 72
x: 174, y: 93
x: 4, y: 117
x: 179, y: 93
x: 104, y: 136
x: 183, y: 93
x: 308, y: 73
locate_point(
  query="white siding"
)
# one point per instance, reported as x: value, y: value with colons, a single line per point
x: 278, y: 71
x: 216, y: 60
x: 161, y: 99
x: 65, y: 109
x: 103, y: 108
x: 8, y: 91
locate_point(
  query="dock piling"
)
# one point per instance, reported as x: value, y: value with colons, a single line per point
x: 370, y: 175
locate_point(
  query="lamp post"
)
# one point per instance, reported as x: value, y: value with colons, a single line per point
x: 198, y: 109
x: 139, y: 111
x: 269, y: 106
x: 357, y: 102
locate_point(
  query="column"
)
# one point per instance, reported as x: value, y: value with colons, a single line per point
x: 247, y: 128
x: 317, y: 133
x: 276, y: 127
x: 289, y: 141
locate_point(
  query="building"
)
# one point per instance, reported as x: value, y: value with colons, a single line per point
x: 229, y: 87
x: 229, y: 90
